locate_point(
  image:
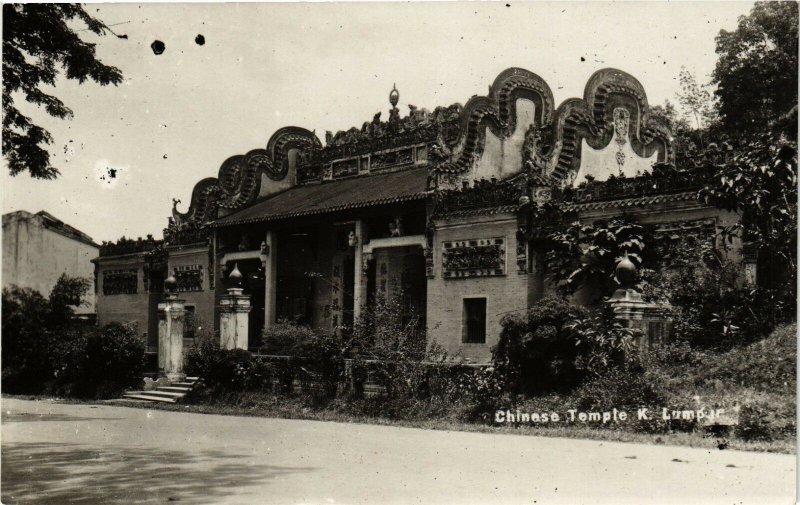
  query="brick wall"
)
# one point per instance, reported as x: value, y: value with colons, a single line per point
x: 503, y: 293
x: 123, y: 308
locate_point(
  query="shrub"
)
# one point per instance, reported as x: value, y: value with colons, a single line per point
x: 391, y: 342
x: 765, y: 417
x: 602, y: 342
x: 229, y: 369
x: 29, y: 334
x: 714, y: 311
x: 286, y: 339
x: 627, y: 388
x: 536, y: 352
x: 99, y: 364
x: 202, y: 357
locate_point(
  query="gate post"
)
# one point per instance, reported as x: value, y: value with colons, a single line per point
x: 171, y: 315
x: 234, y: 309
x: 651, y: 319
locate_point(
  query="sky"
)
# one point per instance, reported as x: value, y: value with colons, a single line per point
x: 322, y: 66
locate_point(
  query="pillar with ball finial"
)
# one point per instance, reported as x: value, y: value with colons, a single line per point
x: 234, y: 310
x: 651, y: 321
x: 171, y: 322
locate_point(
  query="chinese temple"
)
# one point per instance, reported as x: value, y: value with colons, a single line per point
x: 441, y: 208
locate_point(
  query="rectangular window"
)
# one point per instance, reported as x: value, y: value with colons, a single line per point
x: 474, y: 322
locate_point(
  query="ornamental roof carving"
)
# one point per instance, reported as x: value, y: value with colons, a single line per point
x: 449, y: 141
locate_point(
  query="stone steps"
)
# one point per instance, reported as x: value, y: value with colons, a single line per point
x: 171, y: 393
x: 143, y: 395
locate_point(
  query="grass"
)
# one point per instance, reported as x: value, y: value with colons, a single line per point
x: 760, y: 377
x: 298, y: 407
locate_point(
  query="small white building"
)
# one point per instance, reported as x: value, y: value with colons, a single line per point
x: 38, y: 248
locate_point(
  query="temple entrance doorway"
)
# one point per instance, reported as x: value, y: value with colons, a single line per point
x: 253, y: 285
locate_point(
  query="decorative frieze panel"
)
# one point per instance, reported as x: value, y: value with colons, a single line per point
x: 345, y: 168
x: 390, y: 159
x: 474, y: 258
x: 189, y: 277
x: 120, y: 282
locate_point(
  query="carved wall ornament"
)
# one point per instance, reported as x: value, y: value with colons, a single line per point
x: 189, y: 278
x: 473, y: 258
x: 621, y: 125
x: 620, y: 157
x: 120, y: 282
x: 396, y: 227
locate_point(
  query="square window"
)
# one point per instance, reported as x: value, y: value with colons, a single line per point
x: 474, y: 321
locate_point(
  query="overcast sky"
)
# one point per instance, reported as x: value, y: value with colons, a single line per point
x: 179, y: 115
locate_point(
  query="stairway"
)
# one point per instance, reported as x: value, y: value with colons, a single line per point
x: 165, y: 394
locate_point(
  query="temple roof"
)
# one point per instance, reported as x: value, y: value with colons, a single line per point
x: 333, y: 196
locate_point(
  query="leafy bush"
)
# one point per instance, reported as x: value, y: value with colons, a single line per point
x: 586, y: 255
x: 99, y: 363
x: 286, y: 339
x: 228, y: 370
x: 536, y: 352
x: 713, y: 309
x: 114, y: 361
x: 389, y: 345
x: 602, y: 342
x: 202, y: 357
x: 769, y: 365
x: 764, y: 417
x: 45, y: 349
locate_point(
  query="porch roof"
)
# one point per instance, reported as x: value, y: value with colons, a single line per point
x: 312, y: 199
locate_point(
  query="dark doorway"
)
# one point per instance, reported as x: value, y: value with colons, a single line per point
x: 253, y: 284
x: 414, y: 288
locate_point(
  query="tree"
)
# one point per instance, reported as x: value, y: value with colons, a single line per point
x: 669, y: 113
x: 756, y: 74
x: 696, y: 100
x: 586, y: 255
x: 32, y: 327
x: 761, y: 184
x: 37, y: 38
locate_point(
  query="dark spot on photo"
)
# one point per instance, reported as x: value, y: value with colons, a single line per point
x: 158, y: 47
x: 199, y: 40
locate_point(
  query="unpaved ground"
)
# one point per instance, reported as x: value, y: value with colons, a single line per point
x: 63, y: 453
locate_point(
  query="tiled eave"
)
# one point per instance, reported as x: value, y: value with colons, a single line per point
x: 315, y: 212
x: 640, y: 201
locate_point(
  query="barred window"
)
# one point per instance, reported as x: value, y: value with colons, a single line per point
x: 474, y: 321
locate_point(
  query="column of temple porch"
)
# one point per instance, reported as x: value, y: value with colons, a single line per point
x: 359, y: 281
x: 269, y: 260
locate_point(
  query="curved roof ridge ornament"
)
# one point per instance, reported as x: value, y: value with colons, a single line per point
x: 563, y: 128
x: 238, y: 181
x: 498, y: 112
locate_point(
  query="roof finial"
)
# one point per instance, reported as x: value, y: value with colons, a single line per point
x: 394, y: 112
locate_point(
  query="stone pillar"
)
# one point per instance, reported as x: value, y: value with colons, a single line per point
x: 234, y: 309
x: 269, y: 258
x: 651, y: 319
x: 170, y: 338
x: 360, y: 282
